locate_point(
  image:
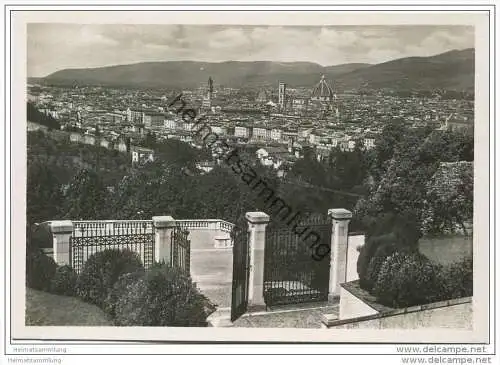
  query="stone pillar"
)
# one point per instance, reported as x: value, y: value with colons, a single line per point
x: 61, y: 232
x: 163, y: 226
x: 338, y: 257
x: 257, y: 223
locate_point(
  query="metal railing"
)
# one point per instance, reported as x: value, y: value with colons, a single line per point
x: 181, y: 250
x: 90, y: 237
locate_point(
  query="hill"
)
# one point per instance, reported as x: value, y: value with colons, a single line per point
x: 452, y: 70
x: 188, y: 74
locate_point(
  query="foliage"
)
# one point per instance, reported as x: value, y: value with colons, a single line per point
x: 163, y: 297
x: 36, y: 116
x: 120, y: 288
x: 86, y: 197
x: 384, y: 250
x: 40, y: 269
x: 458, y: 279
x: 43, y: 193
x: 64, y: 281
x: 405, y: 280
x: 449, y: 200
x: 343, y: 170
x: 102, y: 270
x: 38, y: 236
x: 394, y: 175
x: 51, y: 164
x: 401, y: 166
x: 366, y: 254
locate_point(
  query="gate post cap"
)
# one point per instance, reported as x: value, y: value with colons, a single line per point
x: 340, y: 214
x: 163, y: 221
x: 61, y: 227
x: 257, y: 217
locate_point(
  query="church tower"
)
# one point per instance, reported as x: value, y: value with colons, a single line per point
x: 207, y: 100
x: 281, y: 96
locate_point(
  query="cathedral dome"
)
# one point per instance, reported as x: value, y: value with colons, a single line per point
x: 322, y: 91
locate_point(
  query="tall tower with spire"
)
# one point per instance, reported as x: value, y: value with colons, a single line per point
x: 207, y: 100
x: 210, y: 87
x: 281, y: 95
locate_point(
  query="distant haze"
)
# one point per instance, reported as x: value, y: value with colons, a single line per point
x: 54, y: 47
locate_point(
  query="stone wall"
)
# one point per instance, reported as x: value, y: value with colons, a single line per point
x: 351, y: 306
x: 357, y: 313
x: 455, y: 314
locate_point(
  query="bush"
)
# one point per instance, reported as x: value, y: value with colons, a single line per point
x: 366, y: 254
x: 383, y: 251
x: 64, y: 281
x: 458, y: 279
x: 164, y: 296
x: 384, y: 288
x: 120, y: 288
x: 405, y: 280
x: 40, y: 237
x: 407, y: 228
x: 102, y: 270
x: 40, y: 269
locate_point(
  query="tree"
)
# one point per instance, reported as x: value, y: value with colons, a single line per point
x: 43, y: 194
x: 449, y: 199
x: 385, y: 146
x: 86, y: 197
x: 35, y: 116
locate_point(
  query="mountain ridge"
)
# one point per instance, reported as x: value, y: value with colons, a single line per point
x: 453, y: 70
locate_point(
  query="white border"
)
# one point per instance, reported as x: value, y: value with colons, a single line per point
x: 258, y: 334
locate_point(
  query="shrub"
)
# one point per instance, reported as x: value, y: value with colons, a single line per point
x: 366, y: 254
x: 40, y: 269
x: 407, y: 229
x: 405, y: 280
x: 164, y: 296
x: 64, y: 281
x: 383, y: 251
x: 102, y: 270
x: 40, y: 237
x: 384, y: 288
x: 458, y: 279
x: 120, y: 288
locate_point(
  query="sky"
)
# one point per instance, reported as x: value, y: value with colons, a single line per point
x: 52, y: 47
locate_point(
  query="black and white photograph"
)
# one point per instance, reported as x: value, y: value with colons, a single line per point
x: 241, y: 176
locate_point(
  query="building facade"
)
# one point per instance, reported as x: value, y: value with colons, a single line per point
x: 154, y: 120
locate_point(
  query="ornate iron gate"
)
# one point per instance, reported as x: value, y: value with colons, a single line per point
x: 297, y: 262
x: 241, y: 267
x: 90, y: 238
x: 180, y: 255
